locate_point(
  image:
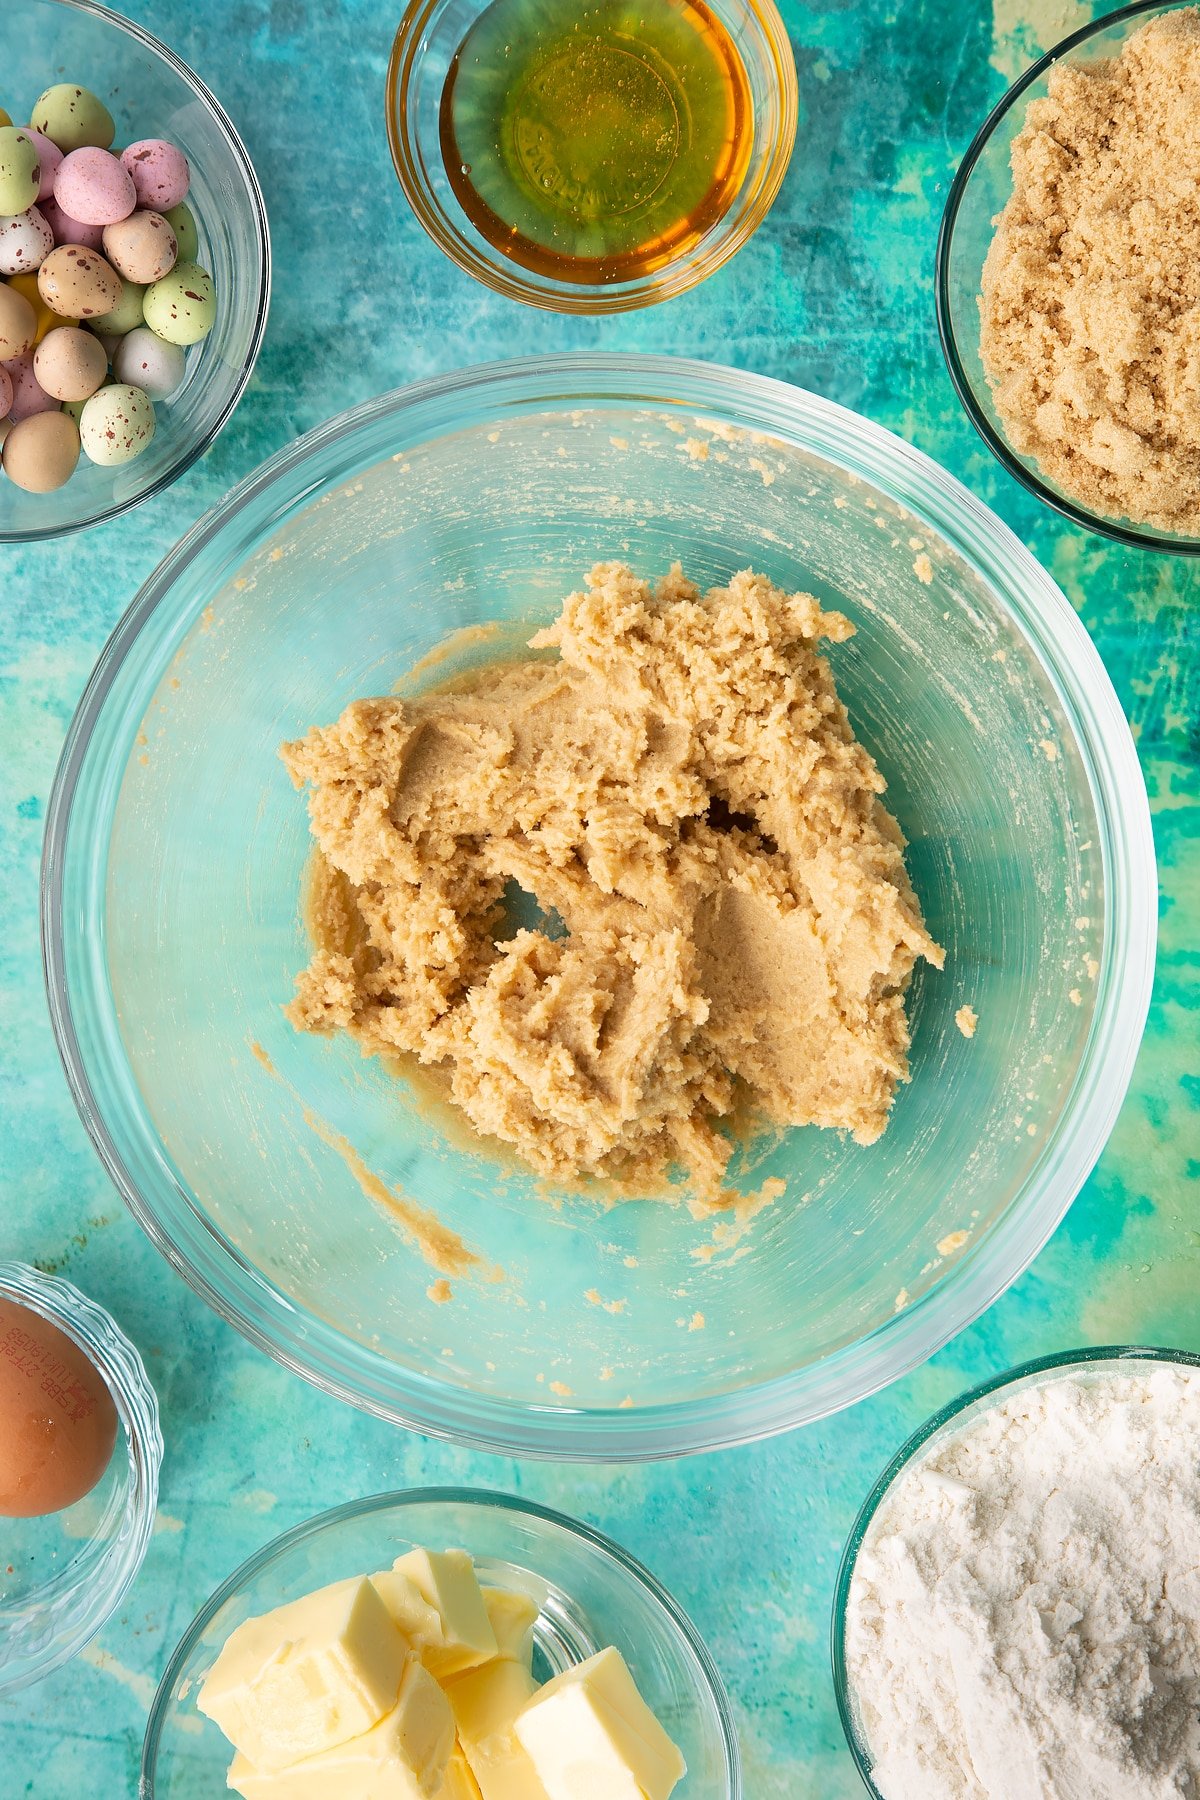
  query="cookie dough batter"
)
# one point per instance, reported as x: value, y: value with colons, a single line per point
x: 725, y: 911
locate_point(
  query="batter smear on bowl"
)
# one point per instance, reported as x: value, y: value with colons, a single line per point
x: 725, y: 914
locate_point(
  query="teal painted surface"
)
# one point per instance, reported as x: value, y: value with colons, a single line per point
x: 835, y: 293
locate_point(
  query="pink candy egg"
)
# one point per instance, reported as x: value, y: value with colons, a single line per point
x: 71, y: 231
x: 160, y: 173
x: 6, y: 396
x: 26, y: 240
x: 93, y: 186
x: 28, y: 394
x: 49, y: 156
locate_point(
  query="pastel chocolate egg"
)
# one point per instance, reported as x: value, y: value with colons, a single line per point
x: 20, y: 171
x: 70, y: 363
x: 5, y: 118
x: 40, y: 453
x: 125, y: 314
x: 94, y: 187
x: 68, y: 230
x: 78, y: 283
x: 182, y: 307
x: 182, y: 222
x: 29, y: 396
x: 6, y: 390
x: 160, y: 173
x: 71, y: 117
x: 26, y: 240
x: 147, y: 361
x: 18, y: 323
x: 49, y: 158
x: 74, y: 408
x: 116, y: 425
x: 142, y: 248
x: 44, y: 317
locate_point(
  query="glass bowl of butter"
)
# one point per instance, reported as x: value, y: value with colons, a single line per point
x: 447, y: 1643
x: 334, y: 1205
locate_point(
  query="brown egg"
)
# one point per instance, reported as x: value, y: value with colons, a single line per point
x: 40, y: 454
x: 70, y: 363
x: 18, y: 323
x: 58, y: 1423
x: 142, y: 247
x: 78, y: 283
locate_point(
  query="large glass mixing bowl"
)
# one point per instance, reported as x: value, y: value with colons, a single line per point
x: 279, y: 1172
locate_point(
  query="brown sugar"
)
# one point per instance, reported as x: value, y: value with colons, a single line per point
x: 1091, y: 288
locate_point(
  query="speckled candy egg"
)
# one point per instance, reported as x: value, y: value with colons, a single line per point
x: 20, y: 171
x: 182, y: 308
x: 125, y: 315
x: 44, y: 317
x: 142, y: 248
x: 71, y: 117
x: 147, y: 361
x: 25, y: 242
x: 70, y: 363
x: 77, y: 283
x: 40, y: 453
x: 116, y: 424
x: 5, y: 392
x: 183, y: 224
x: 93, y: 186
x: 18, y: 324
x: 49, y: 158
x: 160, y: 173
x: 29, y: 396
x: 68, y: 230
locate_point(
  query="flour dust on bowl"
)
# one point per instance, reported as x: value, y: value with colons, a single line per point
x: 589, y: 1595
x: 305, y: 1190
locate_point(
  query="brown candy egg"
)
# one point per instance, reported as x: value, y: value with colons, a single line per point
x: 70, y: 364
x: 78, y: 283
x: 40, y: 454
x: 18, y: 323
x: 142, y: 247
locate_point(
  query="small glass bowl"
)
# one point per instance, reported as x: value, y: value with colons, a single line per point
x: 589, y: 1592
x: 151, y: 93
x: 978, y: 193
x: 1105, y: 1359
x: 62, y: 1575
x: 430, y: 34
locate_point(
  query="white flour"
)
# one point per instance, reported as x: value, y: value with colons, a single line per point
x: 1024, y: 1619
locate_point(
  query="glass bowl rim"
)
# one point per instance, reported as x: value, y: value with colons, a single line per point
x: 591, y: 299
x: 486, y: 1499
x: 92, y: 1327
x: 948, y: 337
x: 197, y: 1250
x: 192, y: 452
x: 909, y: 1451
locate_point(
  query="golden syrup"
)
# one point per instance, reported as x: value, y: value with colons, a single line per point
x: 596, y: 140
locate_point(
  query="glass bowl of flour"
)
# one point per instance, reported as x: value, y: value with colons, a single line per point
x: 1018, y: 1606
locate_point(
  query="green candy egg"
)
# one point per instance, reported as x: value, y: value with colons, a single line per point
x: 182, y: 307
x: 20, y: 171
x: 183, y: 224
x: 116, y: 425
x: 71, y: 117
x: 125, y: 315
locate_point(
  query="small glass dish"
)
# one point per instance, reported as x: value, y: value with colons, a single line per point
x: 62, y: 1575
x: 150, y: 93
x: 589, y: 1592
x: 978, y: 193
x: 430, y: 34
x: 1104, y: 1360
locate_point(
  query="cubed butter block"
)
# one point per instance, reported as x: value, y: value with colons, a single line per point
x: 445, y: 1580
x: 512, y: 1618
x: 307, y: 1676
x: 485, y: 1703
x: 459, y: 1783
x: 589, y: 1732
x: 411, y: 1613
x: 404, y: 1757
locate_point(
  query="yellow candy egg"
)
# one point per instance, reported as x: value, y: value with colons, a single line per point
x: 47, y: 319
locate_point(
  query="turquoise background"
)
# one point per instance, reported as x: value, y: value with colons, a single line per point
x: 835, y: 293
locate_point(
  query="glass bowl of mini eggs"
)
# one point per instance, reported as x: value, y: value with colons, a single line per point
x: 134, y: 267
